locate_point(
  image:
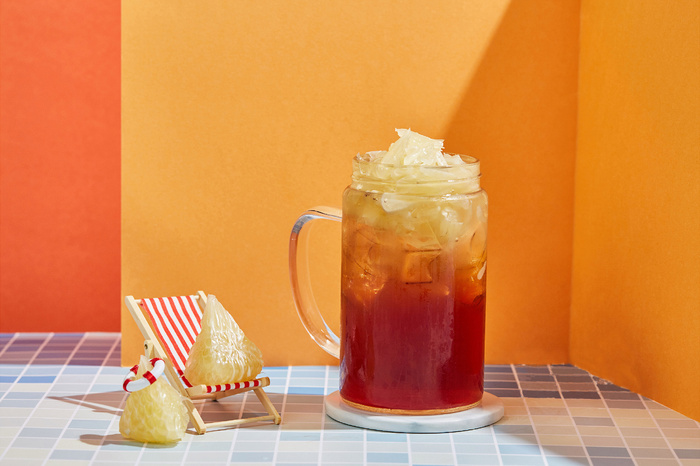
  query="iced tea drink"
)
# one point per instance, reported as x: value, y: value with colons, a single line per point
x: 413, y: 283
x: 413, y: 280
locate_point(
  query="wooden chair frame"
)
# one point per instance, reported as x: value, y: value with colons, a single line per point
x: 154, y: 347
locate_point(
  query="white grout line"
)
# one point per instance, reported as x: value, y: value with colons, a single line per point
x: 9, y: 342
x: 60, y: 372
x: 454, y: 450
x: 235, y: 432
x: 323, y: 415
x: 663, y: 435
x: 408, y: 446
x: 282, y: 413
x: 495, y: 444
x: 568, y: 411
x: 364, y: 447
x: 491, y: 429
x: 27, y: 365
x: 141, y: 452
x: 189, y: 441
x: 109, y: 354
x: 529, y: 415
x: 607, y: 408
x: 89, y: 387
x: 79, y: 408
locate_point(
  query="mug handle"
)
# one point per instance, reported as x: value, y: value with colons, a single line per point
x: 301, y: 285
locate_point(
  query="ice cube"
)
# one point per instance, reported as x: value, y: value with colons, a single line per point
x: 477, y: 243
x: 481, y: 272
x: 363, y: 270
x: 417, y: 266
x: 362, y: 288
x: 422, y: 239
x: 450, y: 225
x: 418, y: 228
x: 394, y: 202
x: 471, y: 283
x: 359, y: 249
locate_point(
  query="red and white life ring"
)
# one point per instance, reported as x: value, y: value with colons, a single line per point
x: 149, y: 378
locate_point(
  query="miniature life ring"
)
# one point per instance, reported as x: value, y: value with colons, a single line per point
x: 149, y: 378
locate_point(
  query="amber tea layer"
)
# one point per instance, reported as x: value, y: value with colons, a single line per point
x: 413, y: 300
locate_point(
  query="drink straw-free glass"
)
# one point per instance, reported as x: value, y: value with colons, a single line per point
x: 413, y: 287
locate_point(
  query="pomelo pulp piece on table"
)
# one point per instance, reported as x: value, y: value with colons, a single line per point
x: 154, y: 414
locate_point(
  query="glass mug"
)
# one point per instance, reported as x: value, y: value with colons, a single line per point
x: 413, y: 287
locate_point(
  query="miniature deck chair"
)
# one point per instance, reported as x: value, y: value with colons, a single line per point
x: 170, y: 327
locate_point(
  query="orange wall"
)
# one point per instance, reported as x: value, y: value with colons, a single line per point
x: 238, y: 116
x: 232, y: 127
x: 60, y: 165
x: 636, y: 275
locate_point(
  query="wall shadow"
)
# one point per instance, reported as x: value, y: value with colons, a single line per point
x: 518, y: 116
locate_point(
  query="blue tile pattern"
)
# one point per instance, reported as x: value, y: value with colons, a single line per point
x: 61, y: 398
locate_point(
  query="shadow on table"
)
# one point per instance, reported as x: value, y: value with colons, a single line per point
x: 305, y: 413
x: 302, y: 412
x: 104, y: 402
x: 120, y: 441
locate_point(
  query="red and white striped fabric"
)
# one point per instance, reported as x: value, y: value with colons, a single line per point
x: 177, y: 322
x: 228, y: 386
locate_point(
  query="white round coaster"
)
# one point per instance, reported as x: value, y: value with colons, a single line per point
x: 489, y: 411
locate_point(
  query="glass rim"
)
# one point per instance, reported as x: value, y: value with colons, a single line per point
x: 362, y: 158
x: 369, y: 175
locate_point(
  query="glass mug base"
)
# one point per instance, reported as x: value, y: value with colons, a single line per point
x: 410, y: 412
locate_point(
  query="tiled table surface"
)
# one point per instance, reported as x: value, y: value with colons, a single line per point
x: 61, y: 398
